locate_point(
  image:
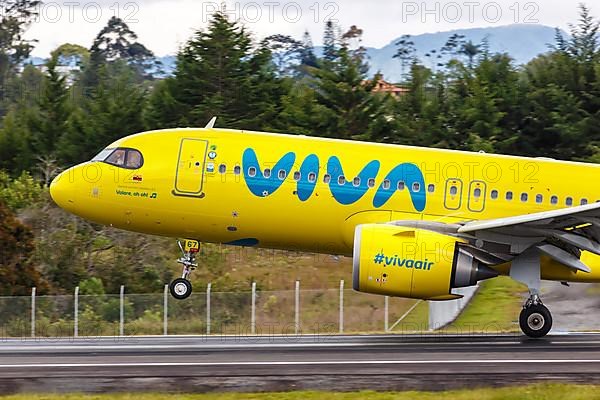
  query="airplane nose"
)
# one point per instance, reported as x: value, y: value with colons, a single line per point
x: 62, y: 191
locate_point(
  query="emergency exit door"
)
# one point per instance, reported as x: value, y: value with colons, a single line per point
x: 477, y: 191
x: 189, y: 178
x: 453, y: 194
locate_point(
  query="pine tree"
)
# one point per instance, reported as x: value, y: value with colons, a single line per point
x: 50, y: 122
x: 307, y: 54
x: 218, y: 74
x: 349, y: 108
x: 330, y: 42
x: 405, y: 52
x: 117, y: 42
x: 114, y: 110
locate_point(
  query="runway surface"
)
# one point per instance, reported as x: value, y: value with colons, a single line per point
x: 275, y: 363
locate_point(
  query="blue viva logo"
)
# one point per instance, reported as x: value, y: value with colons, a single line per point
x: 343, y: 191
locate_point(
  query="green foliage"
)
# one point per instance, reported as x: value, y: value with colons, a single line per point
x: 17, y: 273
x: 218, y: 73
x: 463, y: 97
x: 19, y: 193
x: 49, y: 123
x: 91, y: 286
x: 14, y: 48
x: 110, y: 112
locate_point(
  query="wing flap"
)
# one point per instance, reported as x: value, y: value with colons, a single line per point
x: 563, y: 257
x: 536, y: 219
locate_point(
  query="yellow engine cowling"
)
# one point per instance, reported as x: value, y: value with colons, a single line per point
x: 411, y: 262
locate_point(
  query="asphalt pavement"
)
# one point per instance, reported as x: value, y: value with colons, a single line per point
x: 278, y: 363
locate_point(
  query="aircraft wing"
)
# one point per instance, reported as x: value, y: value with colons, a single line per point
x: 560, y: 234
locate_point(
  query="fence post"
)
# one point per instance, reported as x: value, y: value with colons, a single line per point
x: 297, y: 319
x: 386, y: 315
x: 76, y: 313
x: 166, y: 311
x: 342, y: 306
x: 208, y: 308
x: 122, y: 311
x: 33, y: 312
x: 253, y: 316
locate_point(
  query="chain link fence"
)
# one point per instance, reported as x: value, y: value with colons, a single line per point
x: 252, y: 312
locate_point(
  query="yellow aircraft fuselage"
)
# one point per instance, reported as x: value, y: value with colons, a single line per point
x: 308, y: 193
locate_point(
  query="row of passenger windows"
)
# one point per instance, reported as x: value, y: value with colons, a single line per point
x: 401, y: 185
x: 539, y: 198
x: 341, y: 179
x: 524, y: 197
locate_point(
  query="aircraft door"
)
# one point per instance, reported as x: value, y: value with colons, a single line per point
x: 453, y: 194
x: 189, y: 178
x: 477, y: 196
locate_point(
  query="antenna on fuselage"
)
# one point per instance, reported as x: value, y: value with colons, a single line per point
x: 211, y: 123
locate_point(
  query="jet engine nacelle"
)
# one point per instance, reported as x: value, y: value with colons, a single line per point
x: 412, y: 262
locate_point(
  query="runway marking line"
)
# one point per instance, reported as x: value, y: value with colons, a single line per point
x: 278, y: 363
x: 51, y: 347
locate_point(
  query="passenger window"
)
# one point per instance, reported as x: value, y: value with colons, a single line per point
x: 524, y: 197
x: 117, y: 158
x: 401, y: 185
x: 477, y: 193
x: 237, y: 170
x: 222, y: 168
x: 583, y: 201
x: 509, y: 195
x: 569, y: 201
x: 431, y: 188
x: 539, y: 198
x: 267, y: 173
x: 341, y: 180
x: 297, y: 176
x: 356, y: 181
x: 494, y: 194
x: 281, y: 174
x: 416, y: 186
x: 453, y: 190
x: 371, y: 182
x: 252, y: 172
x: 386, y: 184
x: 312, y: 177
x: 326, y: 178
x: 554, y: 200
x: 134, y: 159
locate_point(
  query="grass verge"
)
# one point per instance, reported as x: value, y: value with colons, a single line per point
x: 495, y: 308
x: 531, y: 392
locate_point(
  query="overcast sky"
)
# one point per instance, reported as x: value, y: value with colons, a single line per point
x: 164, y: 25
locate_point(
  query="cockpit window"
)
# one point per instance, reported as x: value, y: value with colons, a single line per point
x: 117, y: 157
x: 134, y: 159
x: 103, y: 154
x: 121, y: 157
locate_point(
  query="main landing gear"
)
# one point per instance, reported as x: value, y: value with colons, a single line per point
x: 535, y: 319
x: 181, y: 288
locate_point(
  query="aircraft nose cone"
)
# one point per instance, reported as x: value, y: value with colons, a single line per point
x: 62, y: 191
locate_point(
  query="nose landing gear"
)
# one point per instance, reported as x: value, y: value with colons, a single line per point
x: 181, y: 288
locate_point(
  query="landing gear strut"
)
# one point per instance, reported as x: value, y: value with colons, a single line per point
x: 535, y: 319
x: 181, y: 288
